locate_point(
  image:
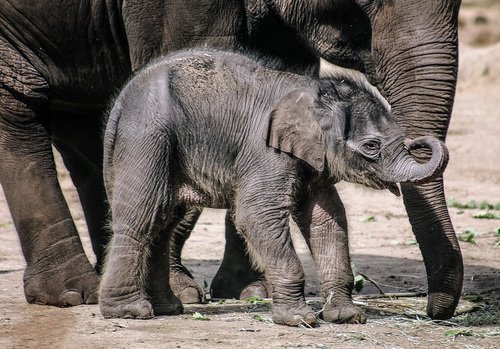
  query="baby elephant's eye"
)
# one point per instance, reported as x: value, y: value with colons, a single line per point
x: 372, y: 145
x: 371, y: 149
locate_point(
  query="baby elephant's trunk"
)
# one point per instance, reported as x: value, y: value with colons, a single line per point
x: 410, y: 170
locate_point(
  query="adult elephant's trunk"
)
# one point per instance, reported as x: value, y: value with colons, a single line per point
x: 415, y: 47
x: 410, y: 170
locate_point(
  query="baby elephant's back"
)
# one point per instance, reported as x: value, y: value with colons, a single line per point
x: 226, y: 95
x: 216, y: 79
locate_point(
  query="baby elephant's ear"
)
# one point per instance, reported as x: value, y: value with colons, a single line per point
x: 293, y: 128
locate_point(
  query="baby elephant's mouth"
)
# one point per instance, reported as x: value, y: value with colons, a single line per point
x: 372, y: 181
x: 379, y: 184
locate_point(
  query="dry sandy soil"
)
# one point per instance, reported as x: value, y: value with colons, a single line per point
x: 382, y: 246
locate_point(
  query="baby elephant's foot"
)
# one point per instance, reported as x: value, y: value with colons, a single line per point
x: 344, y: 314
x: 294, y: 316
x: 139, y: 308
x: 185, y: 288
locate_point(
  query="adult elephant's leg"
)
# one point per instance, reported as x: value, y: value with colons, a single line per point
x: 322, y: 221
x: 237, y: 277
x: 181, y: 279
x: 430, y: 220
x: 78, y: 139
x: 58, y: 271
x: 415, y: 46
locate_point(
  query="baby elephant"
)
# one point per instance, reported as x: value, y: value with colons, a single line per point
x: 222, y: 130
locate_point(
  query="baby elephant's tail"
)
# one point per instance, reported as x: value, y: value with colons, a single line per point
x: 109, y: 146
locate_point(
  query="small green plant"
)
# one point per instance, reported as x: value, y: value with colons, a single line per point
x: 459, y: 332
x: 260, y: 318
x: 468, y: 236
x: 347, y: 336
x: 256, y: 300
x: 474, y: 298
x: 369, y: 219
x: 411, y: 242
x: 496, y: 233
x: 359, y: 283
x: 199, y: 316
x: 486, y: 215
x: 6, y: 225
x: 473, y: 204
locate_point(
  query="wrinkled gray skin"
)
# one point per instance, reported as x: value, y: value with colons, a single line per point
x: 214, y: 128
x: 59, y: 69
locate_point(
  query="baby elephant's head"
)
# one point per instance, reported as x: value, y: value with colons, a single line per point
x: 345, y: 127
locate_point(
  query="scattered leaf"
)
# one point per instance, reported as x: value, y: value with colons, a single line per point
x: 199, y: 316
x: 370, y: 219
x: 468, y: 236
x: 249, y: 330
x: 359, y: 283
x: 459, y: 332
x: 411, y: 242
x: 256, y: 300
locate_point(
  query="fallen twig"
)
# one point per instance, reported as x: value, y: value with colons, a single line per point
x: 376, y: 284
x: 392, y: 295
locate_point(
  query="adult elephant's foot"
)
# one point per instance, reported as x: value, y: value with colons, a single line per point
x: 169, y: 305
x: 236, y: 277
x: 72, y: 282
x: 343, y: 314
x: 255, y: 289
x: 293, y: 316
x: 185, y: 288
x: 238, y: 282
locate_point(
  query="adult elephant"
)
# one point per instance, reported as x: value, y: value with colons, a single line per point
x: 58, y: 71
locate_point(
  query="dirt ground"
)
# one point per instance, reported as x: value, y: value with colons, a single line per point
x: 382, y: 247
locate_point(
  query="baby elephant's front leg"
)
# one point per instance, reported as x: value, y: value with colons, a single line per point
x: 322, y: 222
x: 270, y: 245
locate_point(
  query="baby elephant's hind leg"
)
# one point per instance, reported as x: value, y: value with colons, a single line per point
x: 181, y: 280
x: 264, y: 221
x: 322, y: 222
x: 142, y: 209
